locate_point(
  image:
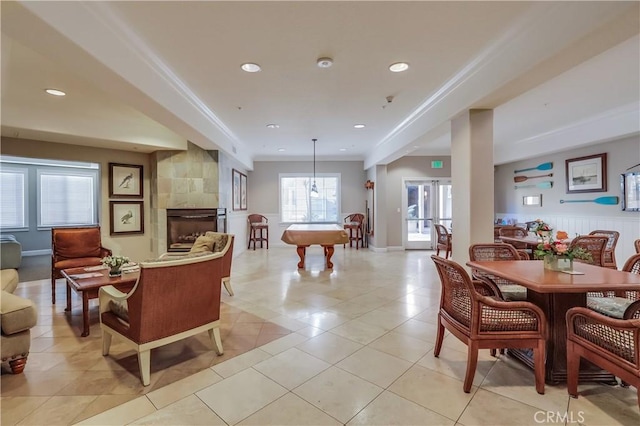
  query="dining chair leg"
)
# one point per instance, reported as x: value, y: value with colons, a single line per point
x: 439, y: 338
x: 472, y: 363
x: 573, y: 367
x: 538, y: 366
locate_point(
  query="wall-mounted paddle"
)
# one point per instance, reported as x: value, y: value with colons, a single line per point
x: 600, y: 200
x: 541, y: 185
x: 524, y: 178
x: 543, y: 166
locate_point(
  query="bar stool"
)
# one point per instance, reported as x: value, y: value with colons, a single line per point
x: 257, y: 224
x: 355, y: 222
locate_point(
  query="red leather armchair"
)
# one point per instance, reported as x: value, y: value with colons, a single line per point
x: 73, y: 248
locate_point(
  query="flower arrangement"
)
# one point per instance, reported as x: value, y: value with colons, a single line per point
x: 541, y: 226
x: 560, y: 248
x: 114, y: 261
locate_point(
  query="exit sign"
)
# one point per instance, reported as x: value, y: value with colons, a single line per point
x: 436, y: 164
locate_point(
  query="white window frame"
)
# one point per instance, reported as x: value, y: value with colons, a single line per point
x: 309, y: 176
x: 94, y: 174
x: 25, y: 194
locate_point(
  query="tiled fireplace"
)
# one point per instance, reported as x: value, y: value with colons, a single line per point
x: 185, y: 225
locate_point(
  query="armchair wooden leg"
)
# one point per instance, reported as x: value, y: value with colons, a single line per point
x: 17, y: 365
x: 106, y: 343
x: 227, y: 285
x: 472, y: 362
x: 53, y: 289
x: 573, y: 366
x: 144, y: 359
x: 214, y: 334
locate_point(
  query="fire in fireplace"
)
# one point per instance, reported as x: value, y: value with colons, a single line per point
x: 185, y: 225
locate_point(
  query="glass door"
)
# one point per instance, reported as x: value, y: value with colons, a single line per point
x: 426, y: 201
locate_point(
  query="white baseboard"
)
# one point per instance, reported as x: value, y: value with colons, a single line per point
x: 36, y: 252
x: 395, y: 248
x: 378, y: 249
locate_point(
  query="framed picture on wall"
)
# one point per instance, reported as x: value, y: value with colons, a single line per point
x: 243, y: 191
x: 587, y: 174
x: 125, y: 181
x: 127, y: 217
x: 236, y: 189
x: 630, y: 183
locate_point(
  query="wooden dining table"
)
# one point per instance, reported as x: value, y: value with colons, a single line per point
x: 555, y: 292
x: 529, y: 241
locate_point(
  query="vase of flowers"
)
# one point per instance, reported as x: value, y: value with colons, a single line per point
x: 557, y: 255
x: 114, y: 263
x: 542, y: 230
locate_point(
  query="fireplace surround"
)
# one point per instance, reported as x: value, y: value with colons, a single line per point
x: 185, y: 225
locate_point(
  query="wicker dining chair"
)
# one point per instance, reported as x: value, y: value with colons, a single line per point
x: 444, y: 240
x: 610, y: 343
x: 636, y: 245
x: 619, y: 304
x: 514, y: 232
x: 472, y: 311
x: 498, y: 252
x: 610, y: 249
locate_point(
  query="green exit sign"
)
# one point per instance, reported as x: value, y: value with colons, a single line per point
x: 436, y: 164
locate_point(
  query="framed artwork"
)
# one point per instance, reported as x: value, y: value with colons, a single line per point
x: 243, y: 191
x: 127, y: 217
x: 630, y: 183
x: 587, y: 174
x: 125, y: 181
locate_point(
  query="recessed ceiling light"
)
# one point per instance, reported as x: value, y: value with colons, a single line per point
x: 358, y: 126
x: 273, y: 126
x: 399, y: 67
x: 250, y: 67
x: 55, y: 92
x: 281, y: 150
x: 343, y: 149
x: 324, y: 62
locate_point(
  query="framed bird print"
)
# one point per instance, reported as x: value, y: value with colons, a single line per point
x: 127, y: 217
x: 125, y: 181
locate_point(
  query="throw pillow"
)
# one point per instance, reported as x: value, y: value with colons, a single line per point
x: 202, y: 244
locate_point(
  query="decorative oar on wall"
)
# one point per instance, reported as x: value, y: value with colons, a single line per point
x: 600, y: 200
x: 525, y: 178
x: 543, y: 166
x: 541, y: 185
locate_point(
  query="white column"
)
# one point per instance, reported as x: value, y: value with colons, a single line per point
x: 472, y: 180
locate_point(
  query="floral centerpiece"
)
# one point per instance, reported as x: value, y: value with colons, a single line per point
x: 558, y: 254
x: 114, y: 263
x: 542, y: 228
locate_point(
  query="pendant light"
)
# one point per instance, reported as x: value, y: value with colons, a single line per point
x: 314, y: 187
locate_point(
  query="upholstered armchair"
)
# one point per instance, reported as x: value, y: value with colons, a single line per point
x: 73, y: 248
x: 218, y: 242
x: 172, y: 300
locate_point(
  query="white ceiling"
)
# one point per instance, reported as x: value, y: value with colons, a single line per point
x: 151, y: 75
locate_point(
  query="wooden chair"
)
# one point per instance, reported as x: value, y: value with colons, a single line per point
x: 620, y: 304
x: 595, y: 245
x: 443, y: 241
x: 610, y: 343
x: 258, y: 230
x: 171, y: 300
x: 73, y: 248
x: 471, y: 311
x: 355, y: 223
x: 636, y: 244
x: 515, y: 232
x: 497, y: 252
x: 610, y: 248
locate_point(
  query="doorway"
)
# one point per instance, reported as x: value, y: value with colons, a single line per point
x: 426, y: 201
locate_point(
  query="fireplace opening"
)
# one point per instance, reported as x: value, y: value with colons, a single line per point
x: 184, y: 226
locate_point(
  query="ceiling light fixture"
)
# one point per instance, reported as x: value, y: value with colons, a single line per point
x: 55, y: 92
x: 281, y: 150
x: 273, y: 126
x: 359, y: 126
x: 314, y: 188
x: 250, y: 67
x: 324, y: 62
x: 343, y: 149
x: 399, y: 67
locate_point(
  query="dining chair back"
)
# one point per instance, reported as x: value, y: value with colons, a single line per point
x: 471, y: 311
x: 443, y: 240
x: 609, y: 260
x: 514, y: 232
x: 636, y: 245
x: 610, y: 343
x: 354, y: 223
x: 594, y: 245
x: 498, y: 252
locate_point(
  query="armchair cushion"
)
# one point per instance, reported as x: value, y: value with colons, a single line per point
x: 614, y: 307
x: 16, y: 314
x: 9, y: 280
x: 80, y: 243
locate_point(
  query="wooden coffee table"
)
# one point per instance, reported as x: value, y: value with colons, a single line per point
x: 88, y: 283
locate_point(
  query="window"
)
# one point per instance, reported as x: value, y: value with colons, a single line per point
x: 13, y: 197
x: 67, y: 197
x: 297, y: 204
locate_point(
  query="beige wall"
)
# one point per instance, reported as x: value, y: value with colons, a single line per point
x: 135, y: 246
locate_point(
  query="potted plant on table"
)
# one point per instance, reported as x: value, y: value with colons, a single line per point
x: 558, y: 255
x: 542, y: 229
x: 115, y: 263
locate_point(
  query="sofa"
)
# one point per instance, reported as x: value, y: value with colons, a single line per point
x: 17, y: 316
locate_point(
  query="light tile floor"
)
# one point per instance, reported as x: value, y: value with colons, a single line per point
x: 302, y: 347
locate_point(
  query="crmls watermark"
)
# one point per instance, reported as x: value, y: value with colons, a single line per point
x: 559, y: 417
